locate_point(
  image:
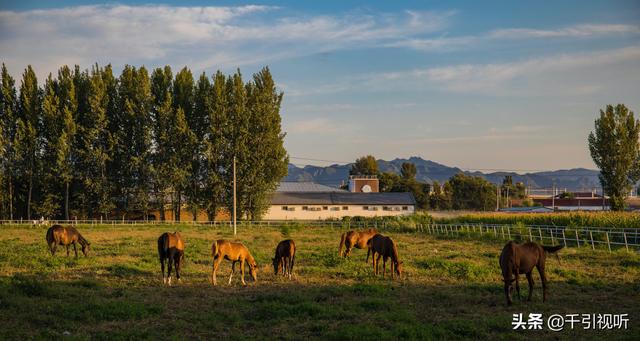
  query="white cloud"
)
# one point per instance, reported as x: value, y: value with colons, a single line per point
x: 544, y: 73
x: 202, y: 37
x: 446, y: 43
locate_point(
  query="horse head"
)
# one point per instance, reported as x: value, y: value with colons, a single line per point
x: 253, y: 270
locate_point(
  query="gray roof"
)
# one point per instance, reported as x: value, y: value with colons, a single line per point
x: 342, y: 198
x: 287, y: 186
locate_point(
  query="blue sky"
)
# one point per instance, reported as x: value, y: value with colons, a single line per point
x: 499, y: 85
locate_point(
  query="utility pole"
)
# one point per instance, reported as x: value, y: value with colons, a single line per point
x: 497, y: 198
x: 234, y: 196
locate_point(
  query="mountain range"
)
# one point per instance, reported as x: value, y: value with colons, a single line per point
x: 577, y: 179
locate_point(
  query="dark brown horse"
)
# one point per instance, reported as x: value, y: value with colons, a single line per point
x: 357, y: 239
x: 60, y: 235
x: 170, y: 249
x: 235, y: 252
x: 517, y: 259
x: 285, y: 256
x: 386, y: 248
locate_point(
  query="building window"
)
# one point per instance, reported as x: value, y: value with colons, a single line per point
x: 325, y: 207
x: 405, y: 208
x: 345, y: 208
x: 335, y: 208
x: 305, y: 208
x: 285, y: 208
x: 366, y: 208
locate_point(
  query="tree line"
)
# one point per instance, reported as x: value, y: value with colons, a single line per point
x: 460, y: 192
x: 88, y: 144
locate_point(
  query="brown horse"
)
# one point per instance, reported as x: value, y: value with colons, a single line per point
x: 171, y: 249
x: 234, y: 252
x: 357, y: 239
x: 522, y: 258
x: 386, y: 248
x: 285, y: 256
x: 60, y: 235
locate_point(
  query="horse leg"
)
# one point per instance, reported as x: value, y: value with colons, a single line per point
x: 67, y: 250
x: 384, y: 266
x: 378, y: 263
x: 530, y: 280
x: 291, y: 270
x: 242, y: 270
x: 233, y: 269
x: 368, y: 251
x: 543, y: 278
x: 170, y: 265
x: 75, y: 250
x: 216, y: 264
x: 178, y: 262
x: 164, y: 280
x: 52, y: 247
x: 518, y: 283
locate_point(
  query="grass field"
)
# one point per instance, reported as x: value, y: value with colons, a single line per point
x: 452, y: 289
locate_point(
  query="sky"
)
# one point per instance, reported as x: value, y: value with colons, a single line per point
x: 513, y: 85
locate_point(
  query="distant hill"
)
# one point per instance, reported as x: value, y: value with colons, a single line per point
x: 428, y: 171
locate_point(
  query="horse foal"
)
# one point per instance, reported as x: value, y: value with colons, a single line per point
x: 61, y: 235
x: 234, y: 252
x: 170, y: 249
x: 285, y: 257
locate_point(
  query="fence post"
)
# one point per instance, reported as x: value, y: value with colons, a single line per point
x: 625, y: 240
x: 530, y: 236
x: 608, y: 244
x: 593, y: 247
x: 577, y: 238
x: 553, y: 241
x: 540, y: 233
x: 509, y: 231
x: 564, y: 239
x: 495, y: 232
x: 502, y: 231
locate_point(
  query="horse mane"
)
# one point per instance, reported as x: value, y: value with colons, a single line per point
x: 82, y: 241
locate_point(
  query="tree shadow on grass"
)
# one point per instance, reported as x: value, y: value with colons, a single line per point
x: 39, y: 308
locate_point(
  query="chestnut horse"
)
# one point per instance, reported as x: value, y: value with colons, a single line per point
x: 171, y: 249
x: 357, y: 239
x: 234, y: 252
x: 522, y: 258
x: 285, y: 256
x: 386, y: 248
x: 60, y: 235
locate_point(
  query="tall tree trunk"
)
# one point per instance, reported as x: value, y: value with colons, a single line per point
x: 178, y: 206
x: 10, y: 198
x: 29, y: 197
x: 162, y: 204
x: 66, y: 201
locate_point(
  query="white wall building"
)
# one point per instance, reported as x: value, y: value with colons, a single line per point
x: 309, y: 201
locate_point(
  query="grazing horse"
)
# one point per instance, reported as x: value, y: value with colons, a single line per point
x: 285, y: 256
x: 357, y: 239
x: 171, y: 249
x: 516, y: 259
x: 386, y: 248
x: 60, y: 235
x: 234, y: 252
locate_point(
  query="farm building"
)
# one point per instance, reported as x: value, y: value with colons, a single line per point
x: 575, y: 201
x: 311, y: 201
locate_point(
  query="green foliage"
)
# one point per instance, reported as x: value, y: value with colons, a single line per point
x: 588, y: 219
x: 472, y: 192
x: 615, y: 150
x: 87, y: 144
x: 365, y: 165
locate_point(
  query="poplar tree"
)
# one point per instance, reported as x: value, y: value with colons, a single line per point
x: 134, y: 138
x: 26, y: 142
x: 216, y: 147
x: 185, y: 142
x: 615, y: 150
x: 162, y: 108
x: 50, y: 203
x: 267, y: 156
x: 8, y: 112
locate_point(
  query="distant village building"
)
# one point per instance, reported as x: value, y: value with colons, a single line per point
x: 312, y: 201
x: 574, y: 201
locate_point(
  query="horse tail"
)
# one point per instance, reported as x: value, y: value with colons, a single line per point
x: 214, y: 249
x: 552, y: 249
x: 394, y: 250
x: 49, y: 236
x: 342, y: 240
